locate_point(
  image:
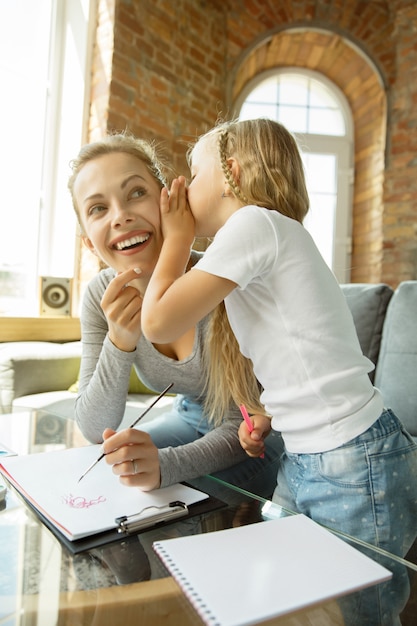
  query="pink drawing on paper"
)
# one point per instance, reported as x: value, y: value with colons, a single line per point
x: 79, y: 502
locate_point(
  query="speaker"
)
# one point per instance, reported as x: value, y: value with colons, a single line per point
x: 55, y: 296
x: 48, y: 429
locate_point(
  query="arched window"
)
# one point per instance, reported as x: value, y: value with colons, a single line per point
x: 317, y: 112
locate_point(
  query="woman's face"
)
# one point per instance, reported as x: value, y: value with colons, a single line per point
x: 118, y: 202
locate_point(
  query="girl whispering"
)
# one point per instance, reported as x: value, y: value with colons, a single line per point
x: 348, y: 462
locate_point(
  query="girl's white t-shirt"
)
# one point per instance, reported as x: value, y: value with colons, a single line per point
x: 291, y: 319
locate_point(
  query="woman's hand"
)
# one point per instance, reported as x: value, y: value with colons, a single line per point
x: 134, y: 458
x: 122, y: 304
x: 253, y: 442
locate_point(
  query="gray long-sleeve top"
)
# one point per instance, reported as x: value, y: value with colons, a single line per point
x: 103, y: 387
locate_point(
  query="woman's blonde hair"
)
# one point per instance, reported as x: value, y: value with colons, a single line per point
x: 271, y: 175
x: 143, y: 150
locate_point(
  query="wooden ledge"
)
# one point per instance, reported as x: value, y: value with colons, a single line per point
x: 40, y: 329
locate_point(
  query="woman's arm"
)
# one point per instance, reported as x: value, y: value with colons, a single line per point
x: 217, y: 450
x: 105, y: 370
x: 139, y: 463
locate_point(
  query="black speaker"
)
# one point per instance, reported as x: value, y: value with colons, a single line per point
x: 55, y: 296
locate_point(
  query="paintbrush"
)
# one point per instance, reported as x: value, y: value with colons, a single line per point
x: 131, y: 426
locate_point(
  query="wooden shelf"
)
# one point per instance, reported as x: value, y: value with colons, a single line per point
x: 40, y: 329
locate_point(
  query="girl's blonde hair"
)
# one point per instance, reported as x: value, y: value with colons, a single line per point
x: 271, y: 169
x: 271, y: 175
x: 143, y: 150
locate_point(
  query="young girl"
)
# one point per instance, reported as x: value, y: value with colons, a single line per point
x: 348, y: 463
x: 115, y: 187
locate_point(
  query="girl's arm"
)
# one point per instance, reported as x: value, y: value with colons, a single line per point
x: 175, y: 301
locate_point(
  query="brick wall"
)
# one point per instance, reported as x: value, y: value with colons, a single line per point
x: 167, y: 71
x: 167, y: 80
x: 400, y: 180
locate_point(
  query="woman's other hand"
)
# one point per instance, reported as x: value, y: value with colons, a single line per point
x: 122, y: 304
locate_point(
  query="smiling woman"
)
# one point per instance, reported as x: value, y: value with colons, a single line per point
x: 121, y: 217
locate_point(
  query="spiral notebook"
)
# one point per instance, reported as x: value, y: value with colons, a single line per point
x: 244, y: 575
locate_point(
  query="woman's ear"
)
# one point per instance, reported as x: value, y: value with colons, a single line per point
x: 88, y: 244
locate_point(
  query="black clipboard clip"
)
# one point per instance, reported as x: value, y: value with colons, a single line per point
x: 150, y: 516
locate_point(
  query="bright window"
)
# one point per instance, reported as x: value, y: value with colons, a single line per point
x: 44, y: 58
x: 300, y: 102
x: 317, y: 113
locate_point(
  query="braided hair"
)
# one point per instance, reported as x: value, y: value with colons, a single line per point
x: 271, y: 175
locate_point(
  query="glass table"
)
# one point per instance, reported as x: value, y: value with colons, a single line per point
x: 123, y: 582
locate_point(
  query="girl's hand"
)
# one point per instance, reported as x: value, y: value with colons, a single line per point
x: 122, y: 304
x: 176, y: 217
x: 253, y: 442
x: 134, y: 458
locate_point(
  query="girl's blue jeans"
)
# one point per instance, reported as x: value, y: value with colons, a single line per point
x: 366, y: 488
x: 185, y: 423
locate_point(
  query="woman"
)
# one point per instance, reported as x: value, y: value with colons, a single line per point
x: 115, y: 187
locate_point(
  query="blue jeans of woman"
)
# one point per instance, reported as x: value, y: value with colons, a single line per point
x: 186, y: 423
x: 367, y: 489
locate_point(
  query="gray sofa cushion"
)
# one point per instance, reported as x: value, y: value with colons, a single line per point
x: 368, y: 304
x: 396, y: 373
x: 35, y: 366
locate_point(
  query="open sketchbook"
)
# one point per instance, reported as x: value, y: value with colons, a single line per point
x: 49, y: 483
x: 241, y: 576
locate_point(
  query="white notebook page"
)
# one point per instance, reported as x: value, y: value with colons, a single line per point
x: 240, y: 576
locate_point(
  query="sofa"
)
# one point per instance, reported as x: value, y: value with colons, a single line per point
x: 386, y: 323
x: 42, y: 375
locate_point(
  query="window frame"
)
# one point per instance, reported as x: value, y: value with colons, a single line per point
x: 63, y: 128
x: 68, y: 15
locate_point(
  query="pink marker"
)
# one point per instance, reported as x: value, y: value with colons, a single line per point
x: 248, y: 421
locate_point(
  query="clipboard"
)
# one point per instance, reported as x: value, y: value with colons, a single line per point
x: 100, y: 510
x: 127, y: 526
